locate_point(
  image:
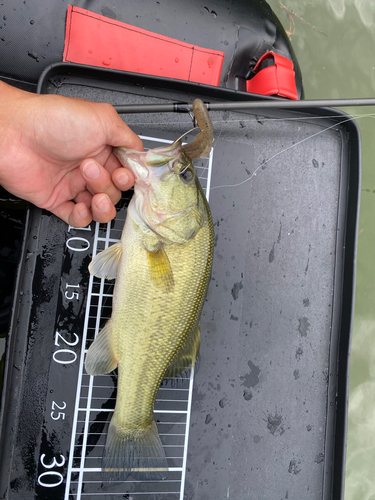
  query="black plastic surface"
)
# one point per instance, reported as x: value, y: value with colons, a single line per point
x: 32, y: 33
x: 268, y: 417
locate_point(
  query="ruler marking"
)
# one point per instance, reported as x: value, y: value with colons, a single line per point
x: 91, y: 383
x: 80, y: 374
x: 87, y: 418
x: 184, y: 461
x: 99, y: 469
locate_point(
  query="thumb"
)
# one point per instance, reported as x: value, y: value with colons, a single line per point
x: 118, y: 133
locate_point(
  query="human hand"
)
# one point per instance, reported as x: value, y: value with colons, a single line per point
x: 56, y: 152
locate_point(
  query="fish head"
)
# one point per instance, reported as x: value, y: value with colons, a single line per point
x: 167, y: 193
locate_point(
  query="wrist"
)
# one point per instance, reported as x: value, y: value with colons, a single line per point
x: 11, y: 101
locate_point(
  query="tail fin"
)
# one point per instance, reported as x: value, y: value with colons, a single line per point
x: 137, y: 452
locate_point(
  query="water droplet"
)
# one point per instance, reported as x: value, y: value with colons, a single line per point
x: 34, y: 55
x: 208, y: 419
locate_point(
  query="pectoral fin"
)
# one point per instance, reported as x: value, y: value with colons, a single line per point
x: 105, y: 264
x: 161, y: 273
x: 100, y: 358
x: 186, y: 356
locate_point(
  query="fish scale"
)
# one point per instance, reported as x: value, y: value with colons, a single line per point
x: 162, y: 267
x: 165, y: 332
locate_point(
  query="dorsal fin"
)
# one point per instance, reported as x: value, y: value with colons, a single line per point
x: 185, y: 358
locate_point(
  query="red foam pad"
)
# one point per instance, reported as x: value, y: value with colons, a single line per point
x: 96, y: 40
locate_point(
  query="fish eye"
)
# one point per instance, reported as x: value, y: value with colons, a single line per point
x: 187, y: 176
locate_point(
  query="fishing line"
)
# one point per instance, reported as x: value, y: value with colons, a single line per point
x: 278, y: 154
x: 208, y: 158
x: 264, y: 162
x: 260, y: 118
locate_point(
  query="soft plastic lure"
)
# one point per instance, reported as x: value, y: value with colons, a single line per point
x: 201, y: 145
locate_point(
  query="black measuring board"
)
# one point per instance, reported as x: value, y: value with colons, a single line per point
x: 265, y: 413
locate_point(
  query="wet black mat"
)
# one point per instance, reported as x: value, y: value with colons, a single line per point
x: 265, y: 415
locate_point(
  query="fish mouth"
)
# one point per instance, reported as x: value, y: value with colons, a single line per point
x: 130, y: 158
x: 142, y: 163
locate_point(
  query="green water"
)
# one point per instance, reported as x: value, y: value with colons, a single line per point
x: 334, y: 41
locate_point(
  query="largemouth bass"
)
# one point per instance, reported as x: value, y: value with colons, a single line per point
x: 162, y: 267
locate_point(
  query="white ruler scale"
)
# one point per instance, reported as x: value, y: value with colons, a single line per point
x: 96, y: 396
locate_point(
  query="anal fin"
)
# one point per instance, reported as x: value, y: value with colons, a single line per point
x: 100, y: 358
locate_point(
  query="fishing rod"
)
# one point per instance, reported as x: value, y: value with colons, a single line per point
x: 179, y: 107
